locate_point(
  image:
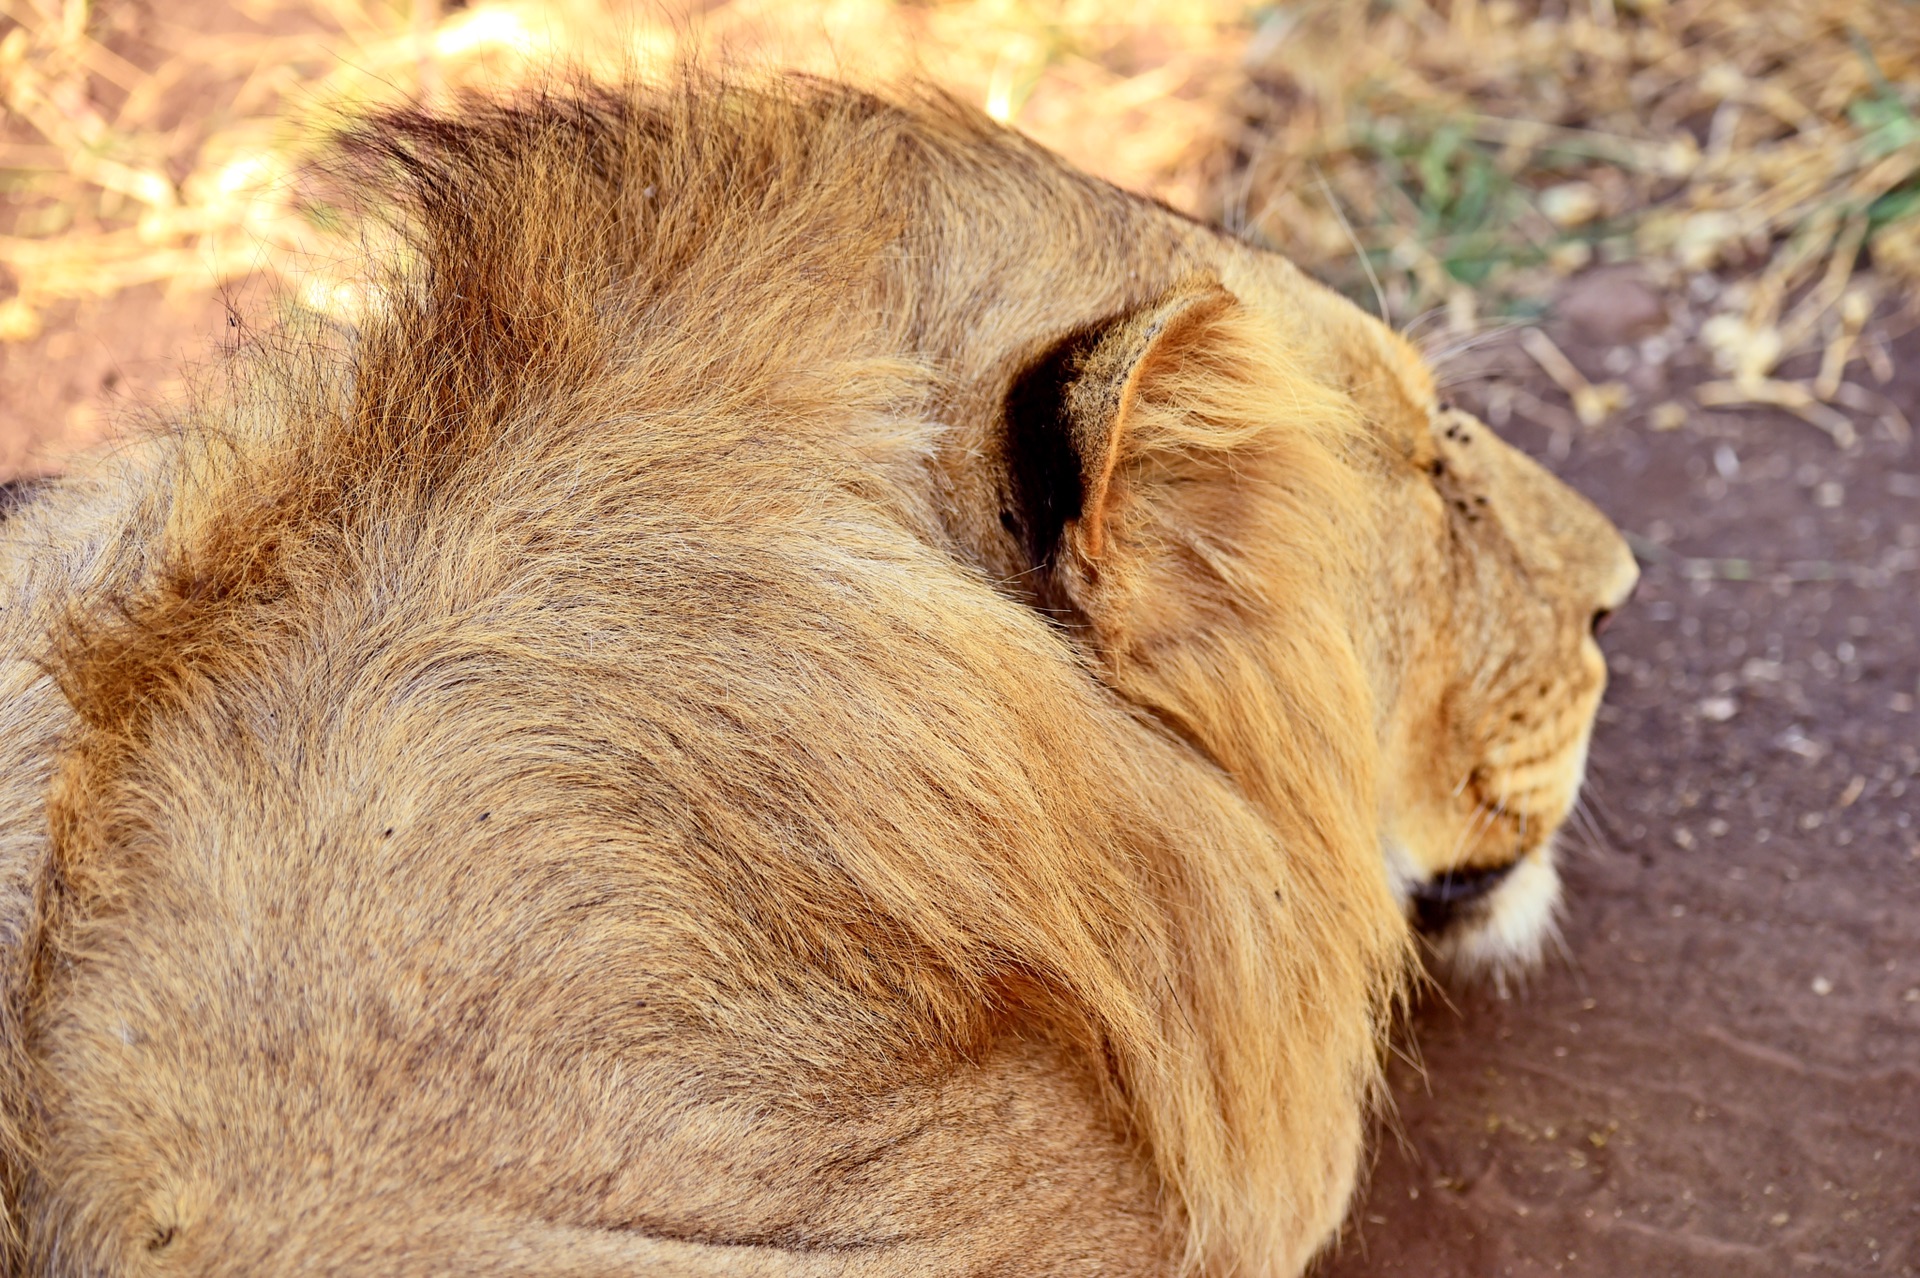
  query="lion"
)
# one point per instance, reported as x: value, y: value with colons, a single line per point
x: 813, y: 691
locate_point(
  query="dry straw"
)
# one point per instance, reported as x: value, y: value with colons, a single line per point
x: 1490, y: 146
x: 1472, y: 150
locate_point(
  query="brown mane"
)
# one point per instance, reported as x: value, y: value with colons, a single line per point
x: 610, y: 659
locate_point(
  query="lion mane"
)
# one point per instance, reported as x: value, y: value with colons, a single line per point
x: 801, y: 697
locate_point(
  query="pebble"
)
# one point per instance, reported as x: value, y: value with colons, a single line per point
x: 1570, y: 203
x: 1612, y: 306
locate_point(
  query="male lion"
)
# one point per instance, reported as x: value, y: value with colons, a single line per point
x: 813, y: 693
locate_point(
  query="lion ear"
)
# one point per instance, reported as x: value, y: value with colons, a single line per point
x: 1074, y: 417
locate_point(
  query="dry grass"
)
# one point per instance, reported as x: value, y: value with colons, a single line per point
x: 140, y: 150
x: 1479, y: 149
x: 1473, y: 151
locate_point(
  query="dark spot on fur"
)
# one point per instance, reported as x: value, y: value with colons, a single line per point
x: 387, y: 833
x: 1437, y: 467
x: 161, y: 1237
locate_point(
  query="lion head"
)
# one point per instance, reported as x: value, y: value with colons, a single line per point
x: 1486, y: 584
x: 1493, y: 581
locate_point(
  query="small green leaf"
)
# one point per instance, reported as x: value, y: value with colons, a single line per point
x: 1885, y: 125
x: 1896, y: 205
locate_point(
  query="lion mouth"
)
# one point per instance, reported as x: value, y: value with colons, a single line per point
x: 1492, y: 920
x: 1441, y: 902
x: 1495, y: 922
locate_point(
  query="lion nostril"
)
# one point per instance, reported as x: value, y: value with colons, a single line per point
x: 1601, y: 620
x: 1440, y: 900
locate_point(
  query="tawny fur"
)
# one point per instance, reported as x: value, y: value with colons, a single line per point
x: 610, y: 768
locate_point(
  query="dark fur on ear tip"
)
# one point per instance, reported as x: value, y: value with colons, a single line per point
x: 1063, y: 415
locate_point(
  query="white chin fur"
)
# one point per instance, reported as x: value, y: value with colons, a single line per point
x: 1513, y: 925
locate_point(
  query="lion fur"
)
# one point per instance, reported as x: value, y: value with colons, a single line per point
x: 582, y: 775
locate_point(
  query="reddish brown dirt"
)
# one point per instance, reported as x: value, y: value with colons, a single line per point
x: 99, y: 367
x: 1722, y: 1076
x: 107, y: 365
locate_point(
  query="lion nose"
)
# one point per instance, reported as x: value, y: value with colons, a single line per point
x: 1621, y: 596
x: 1442, y: 899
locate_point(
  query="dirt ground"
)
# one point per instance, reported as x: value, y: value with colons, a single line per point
x: 1721, y: 1076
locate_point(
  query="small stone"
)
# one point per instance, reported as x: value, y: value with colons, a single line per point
x: 1718, y: 709
x: 1778, y: 1219
x: 1612, y: 306
x: 1821, y: 986
x: 1830, y: 495
x: 1571, y: 203
x: 1569, y: 256
x: 1796, y: 741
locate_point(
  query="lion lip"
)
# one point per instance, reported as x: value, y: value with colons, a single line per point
x: 1439, y: 902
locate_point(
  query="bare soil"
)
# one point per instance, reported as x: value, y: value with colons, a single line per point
x: 1721, y: 1075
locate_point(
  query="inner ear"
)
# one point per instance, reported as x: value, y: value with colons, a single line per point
x: 1070, y: 415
